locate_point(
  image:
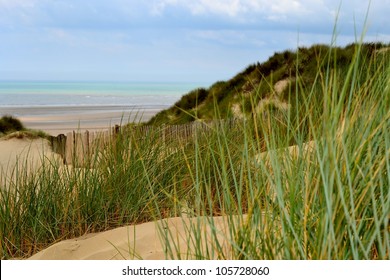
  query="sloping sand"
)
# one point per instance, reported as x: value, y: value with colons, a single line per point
x: 24, y: 153
x: 145, y: 241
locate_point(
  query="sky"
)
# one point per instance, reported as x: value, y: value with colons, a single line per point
x: 199, y: 41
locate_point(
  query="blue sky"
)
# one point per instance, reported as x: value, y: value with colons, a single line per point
x: 169, y: 40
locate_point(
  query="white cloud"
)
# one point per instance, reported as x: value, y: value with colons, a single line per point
x: 158, y: 7
x: 221, y: 36
x: 14, y: 13
x: 292, y: 11
x: 17, y: 3
x: 230, y: 8
x: 236, y: 8
x: 286, y: 7
x: 264, y: 13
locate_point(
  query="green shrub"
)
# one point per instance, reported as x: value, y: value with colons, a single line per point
x: 10, y: 124
x: 192, y: 99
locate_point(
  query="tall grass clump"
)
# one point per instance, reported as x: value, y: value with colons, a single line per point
x: 321, y: 188
x: 117, y: 185
x: 305, y: 181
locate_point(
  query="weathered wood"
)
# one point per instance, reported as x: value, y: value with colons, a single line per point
x: 69, y: 148
x: 78, y: 148
x: 58, y: 145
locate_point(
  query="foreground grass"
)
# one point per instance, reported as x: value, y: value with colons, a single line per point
x: 326, y: 198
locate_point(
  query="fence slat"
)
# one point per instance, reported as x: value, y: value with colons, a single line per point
x: 78, y: 148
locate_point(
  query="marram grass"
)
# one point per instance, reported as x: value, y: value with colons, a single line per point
x: 308, y: 182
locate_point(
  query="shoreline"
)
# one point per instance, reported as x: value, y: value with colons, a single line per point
x: 56, y: 120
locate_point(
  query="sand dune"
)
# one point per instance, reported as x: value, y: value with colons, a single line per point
x: 24, y: 153
x: 145, y: 241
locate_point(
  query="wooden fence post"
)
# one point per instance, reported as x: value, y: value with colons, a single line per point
x: 58, y: 144
x: 69, y: 148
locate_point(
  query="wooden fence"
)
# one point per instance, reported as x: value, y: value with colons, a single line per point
x: 76, y: 148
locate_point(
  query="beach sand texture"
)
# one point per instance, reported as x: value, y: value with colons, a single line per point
x: 24, y: 154
x: 64, y: 119
x: 144, y: 241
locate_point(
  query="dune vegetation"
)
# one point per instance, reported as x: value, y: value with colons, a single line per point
x: 10, y: 124
x: 303, y: 172
x: 12, y: 127
x: 272, y: 79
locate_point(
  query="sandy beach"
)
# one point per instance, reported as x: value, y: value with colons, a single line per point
x: 17, y: 154
x: 142, y: 242
x: 62, y: 119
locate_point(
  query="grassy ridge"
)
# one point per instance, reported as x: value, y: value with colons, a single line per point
x: 324, y: 199
x: 257, y: 82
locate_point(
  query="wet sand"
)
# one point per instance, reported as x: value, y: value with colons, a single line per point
x: 64, y: 119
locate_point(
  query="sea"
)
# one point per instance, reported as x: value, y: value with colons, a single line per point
x: 144, y: 95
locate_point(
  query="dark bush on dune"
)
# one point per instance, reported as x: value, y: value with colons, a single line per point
x: 9, y: 124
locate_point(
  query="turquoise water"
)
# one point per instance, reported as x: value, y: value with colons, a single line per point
x: 132, y: 94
